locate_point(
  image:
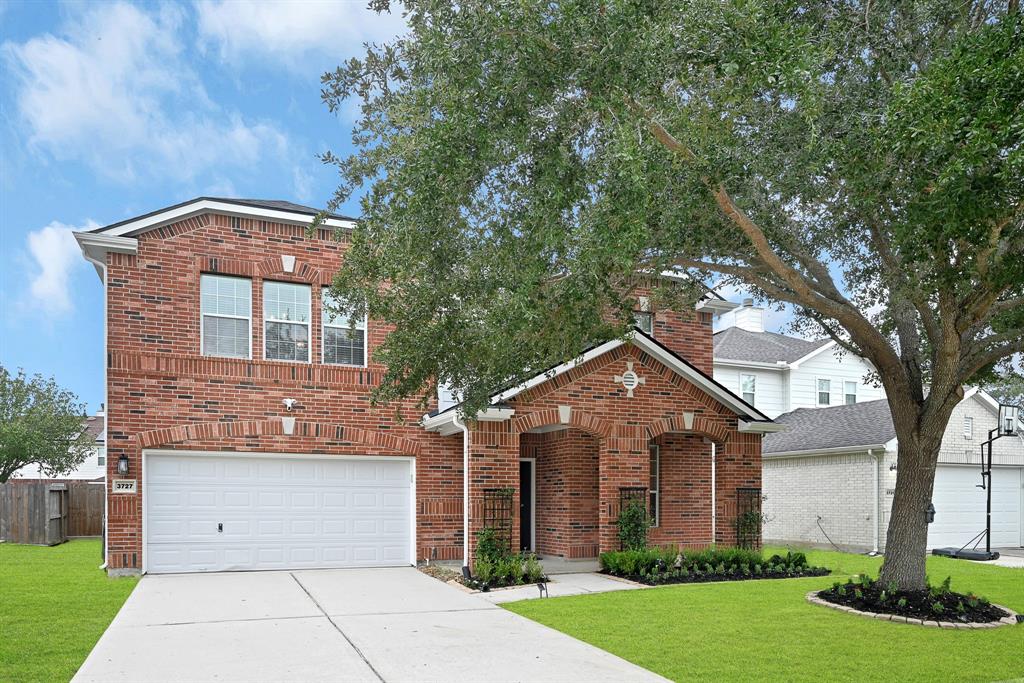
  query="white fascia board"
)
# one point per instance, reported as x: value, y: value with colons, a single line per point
x: 757, y: 365
x: 762, y: 427
x: 718, y: 306
x: 445, y: 423
x: 557, y: 370
x: 96, y: 246
x: 179, y: 213
x: 795, y: 364
x: 839, y: 450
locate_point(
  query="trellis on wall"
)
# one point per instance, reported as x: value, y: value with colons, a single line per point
x: 498, y: 513
x: 748, y: 518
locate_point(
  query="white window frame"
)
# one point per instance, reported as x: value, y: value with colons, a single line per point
x: 968, y: 427
x: 818, y: 392
x: 753, y: 394
x: 654, y: 450
x: 636, y: 321
x: 202, y: 345
x: 101, y: 457
x: 308, y: 323
x: 847, y: 393
x: 323, y: 335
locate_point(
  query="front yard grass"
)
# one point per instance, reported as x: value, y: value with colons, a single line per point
x: 54, y: 605
x: 765, y: 630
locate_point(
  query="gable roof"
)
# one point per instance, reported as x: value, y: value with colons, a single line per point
x: 859, y: 425
x: 95, y: 427
x: 734, y: 343
x: 642, y: 341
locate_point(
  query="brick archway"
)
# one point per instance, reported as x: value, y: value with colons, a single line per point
x: 568, y: 416
x: 689, y: 422
x: 203, y: 431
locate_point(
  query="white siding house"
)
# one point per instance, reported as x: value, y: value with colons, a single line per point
x: 787, y: 373
x: 94, y: 465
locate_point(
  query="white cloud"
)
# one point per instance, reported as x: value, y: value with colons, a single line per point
x: 115, y: 91
x: 293, y: 32
x: 54, y: 255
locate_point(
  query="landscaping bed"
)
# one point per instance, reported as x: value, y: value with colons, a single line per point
x: 936, y: 603
x: 662, y: 566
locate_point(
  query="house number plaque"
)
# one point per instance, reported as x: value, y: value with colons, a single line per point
x: 124, y: 486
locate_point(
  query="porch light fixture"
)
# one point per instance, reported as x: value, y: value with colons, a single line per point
x: 122, y: 464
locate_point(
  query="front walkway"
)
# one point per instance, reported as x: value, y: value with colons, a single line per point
x: 560, y: 585
x: 339, y: 625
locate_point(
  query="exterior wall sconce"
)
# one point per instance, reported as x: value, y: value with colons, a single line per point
x: 122, y: 464
x: 892, y: 467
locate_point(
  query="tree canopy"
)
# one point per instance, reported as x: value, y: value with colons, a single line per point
x: 40, y: 423
x: 521, y: 162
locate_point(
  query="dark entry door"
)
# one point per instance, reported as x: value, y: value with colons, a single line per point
x: 526, y: 505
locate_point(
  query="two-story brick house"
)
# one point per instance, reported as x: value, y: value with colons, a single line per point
x: 240, y: 433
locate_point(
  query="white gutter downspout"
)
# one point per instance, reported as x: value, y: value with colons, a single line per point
x: 102, y: 265
x: 877, y: 461
x: 465, y: 489
x: 714, y: 507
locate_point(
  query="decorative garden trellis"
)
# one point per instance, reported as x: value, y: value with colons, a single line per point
x: 748, y: 518
x: 498, y: 513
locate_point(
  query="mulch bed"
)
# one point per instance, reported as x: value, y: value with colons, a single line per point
x: 668, y: 578
x: 923, y: 605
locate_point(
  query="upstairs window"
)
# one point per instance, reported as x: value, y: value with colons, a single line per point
x: 645, y: 321
x: 344, y: 339
x: 101, y: 457
x: 968, y: 427
x: 748, y: 386
x: 824, y: 392
x: 850, y: 392
x: 655, y: 512
x: 225, y: 305
x: 286, y: 320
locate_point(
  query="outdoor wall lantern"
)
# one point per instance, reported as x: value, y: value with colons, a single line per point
x: 122, y: 464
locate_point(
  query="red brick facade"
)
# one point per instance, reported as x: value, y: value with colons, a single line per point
x: 162, y: 393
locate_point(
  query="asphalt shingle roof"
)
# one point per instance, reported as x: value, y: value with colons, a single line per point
x: 94, y: 426
x: 277, y: 204
x: 734, y: 343
x: 846, y: 426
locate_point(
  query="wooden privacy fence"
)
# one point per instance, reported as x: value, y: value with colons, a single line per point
x: 46, y: 511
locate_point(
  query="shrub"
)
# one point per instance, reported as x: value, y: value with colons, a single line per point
x: 490, y: 546
x: 483, y: 570
x: 633, y: 526
x: 533, y: 572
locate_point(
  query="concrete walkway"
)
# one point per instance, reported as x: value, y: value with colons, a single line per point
x: 560, y: 585
x: 339, y: 625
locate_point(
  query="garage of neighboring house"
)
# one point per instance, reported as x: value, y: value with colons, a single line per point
x: 829, y: 478
x: 249, y: 511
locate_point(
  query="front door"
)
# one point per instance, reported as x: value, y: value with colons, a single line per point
x: 526, y: 505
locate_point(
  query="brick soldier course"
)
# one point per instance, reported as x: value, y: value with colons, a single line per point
x: 162, y: 393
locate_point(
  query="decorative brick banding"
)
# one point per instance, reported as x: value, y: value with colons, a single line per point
x: 812, y: 597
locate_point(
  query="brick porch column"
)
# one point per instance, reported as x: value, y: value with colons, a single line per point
x: 493, y: 464
x: 623, y: 461
x: 738, y: 466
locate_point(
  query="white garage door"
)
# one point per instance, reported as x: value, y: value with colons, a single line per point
x: 210, y: 512
x: 960, y: 507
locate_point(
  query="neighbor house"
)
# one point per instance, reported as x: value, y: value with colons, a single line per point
x: 241, y: 433
x: 777, y: 373
x: 95, y: 464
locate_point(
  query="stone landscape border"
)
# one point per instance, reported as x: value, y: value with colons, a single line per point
x: 812, y: 597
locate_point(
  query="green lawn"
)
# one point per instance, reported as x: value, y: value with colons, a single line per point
x: 54, y: 605
x: 765, y: 630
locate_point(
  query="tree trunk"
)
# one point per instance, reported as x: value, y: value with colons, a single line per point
x: 907, y: 539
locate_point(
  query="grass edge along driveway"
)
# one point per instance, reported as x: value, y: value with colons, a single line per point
x: 765, y: 630
x: 56, y: 602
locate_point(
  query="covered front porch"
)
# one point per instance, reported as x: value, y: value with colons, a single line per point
x: 552, y: 464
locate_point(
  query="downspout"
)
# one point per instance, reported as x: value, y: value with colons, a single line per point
x: 465, y: 489
x: 878, y: 504
x: 102, y: 265
x: 714, y: 507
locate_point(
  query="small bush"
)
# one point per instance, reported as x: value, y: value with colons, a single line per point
x: 533, y: 572
x: 633, y: 526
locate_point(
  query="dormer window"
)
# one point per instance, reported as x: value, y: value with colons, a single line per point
x: 286, y: 320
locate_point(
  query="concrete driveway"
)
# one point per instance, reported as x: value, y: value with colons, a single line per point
x: 338, y: 625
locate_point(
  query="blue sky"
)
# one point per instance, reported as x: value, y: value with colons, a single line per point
x: 112, y: 109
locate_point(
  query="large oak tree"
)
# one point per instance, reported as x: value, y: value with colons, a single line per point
x: 521, y: 162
